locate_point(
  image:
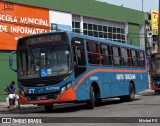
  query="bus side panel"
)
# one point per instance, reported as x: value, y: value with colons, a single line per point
x: 104, y: 82
x: 83, y: 87
x: 82, y: 92
x: 141, y: 82
x: 106, y: 90
x: 119, y: 84
x: 146, y: 81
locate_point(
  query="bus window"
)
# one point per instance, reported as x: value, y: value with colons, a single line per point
x: 92, y: 47
x: 93, y: 53
x: 24, y: 68
x: 141, y: 59
x: 155, y: 63
x: 125, y: 57
x: 134, y: 58
x: 79, y: 56
x: 105, y: 54
x: 116, y: 56
x: 25, y: 60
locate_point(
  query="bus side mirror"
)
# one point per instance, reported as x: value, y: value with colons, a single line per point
x: 11, y: 61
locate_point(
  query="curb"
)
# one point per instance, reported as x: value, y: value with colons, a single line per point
x: 3, y: 105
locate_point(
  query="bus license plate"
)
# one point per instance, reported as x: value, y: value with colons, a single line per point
x: 41, y: 98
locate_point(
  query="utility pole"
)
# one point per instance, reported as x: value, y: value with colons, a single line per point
x: 142, y: 4
x: 159, y: 28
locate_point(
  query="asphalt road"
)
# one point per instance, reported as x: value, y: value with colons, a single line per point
x: 112, y: 112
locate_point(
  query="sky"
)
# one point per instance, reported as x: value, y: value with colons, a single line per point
x: 148, y: 5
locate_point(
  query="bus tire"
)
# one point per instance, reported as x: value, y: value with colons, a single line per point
x: 131, y: 95
x: 48, y: 108
x: 91, y: 101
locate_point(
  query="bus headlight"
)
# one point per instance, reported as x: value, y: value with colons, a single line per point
x: 64, y: 88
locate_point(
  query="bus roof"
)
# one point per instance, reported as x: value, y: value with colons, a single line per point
x: 90, y: 38
x: 106, y: 41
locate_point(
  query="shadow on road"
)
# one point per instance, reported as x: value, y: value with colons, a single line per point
x: 149, y: 94
x: 63, y: 108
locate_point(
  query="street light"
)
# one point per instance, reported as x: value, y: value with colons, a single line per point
x: 142, y: 4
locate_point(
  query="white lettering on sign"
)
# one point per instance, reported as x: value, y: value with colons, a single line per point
x: 119, y: 76
x: 26, y: 30
x: 23, y: 29
x: 125, y: 76
x: 35, y: 21
x: 94, y: 78
x: 31, y: 91
x: 52, y: 88
x: 24, y: 20
x: 8, y: 18
x: 3, y: 28
x: 130, y: 76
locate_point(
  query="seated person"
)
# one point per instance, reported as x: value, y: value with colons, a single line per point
x: 11, y: 90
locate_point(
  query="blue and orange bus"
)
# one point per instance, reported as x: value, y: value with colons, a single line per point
x: 154, y: 65
x: 70, y: 67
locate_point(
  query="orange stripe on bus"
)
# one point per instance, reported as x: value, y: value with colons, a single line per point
x: 106, y: 70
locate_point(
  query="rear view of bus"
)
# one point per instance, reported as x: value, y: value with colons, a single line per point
x: 155, y: 72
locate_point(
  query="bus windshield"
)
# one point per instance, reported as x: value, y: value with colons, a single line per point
x: 43, y: 60
x: 156, y: 65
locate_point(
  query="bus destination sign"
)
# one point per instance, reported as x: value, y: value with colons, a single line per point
x: 43, y: 39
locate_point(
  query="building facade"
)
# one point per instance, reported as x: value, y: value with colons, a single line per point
x: 151, y: 26
x: 19, y: 18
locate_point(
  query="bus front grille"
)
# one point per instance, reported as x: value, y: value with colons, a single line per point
x: 42, y: 97
x: 45, y: 81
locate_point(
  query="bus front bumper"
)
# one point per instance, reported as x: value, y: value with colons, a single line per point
x: 68, y: 95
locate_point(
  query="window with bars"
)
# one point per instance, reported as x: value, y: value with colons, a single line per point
x: 105, y: 54
x: 116, y: 56
x: 76, y: 27
x: 126, y: 57
x: 100, y: 28
x: 93, y: 53
x: 141, y: 59
x: 134, y: 58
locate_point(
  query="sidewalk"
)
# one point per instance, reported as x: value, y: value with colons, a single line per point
x: 146, y: 91
x: 4, y: 106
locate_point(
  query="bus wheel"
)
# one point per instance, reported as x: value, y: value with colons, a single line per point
x: 49, y: 107
x: 91, y: 101
x: 131, y: 95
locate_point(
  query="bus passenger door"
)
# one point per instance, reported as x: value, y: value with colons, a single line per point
x: 79, y: 60
x: 79, y: 56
